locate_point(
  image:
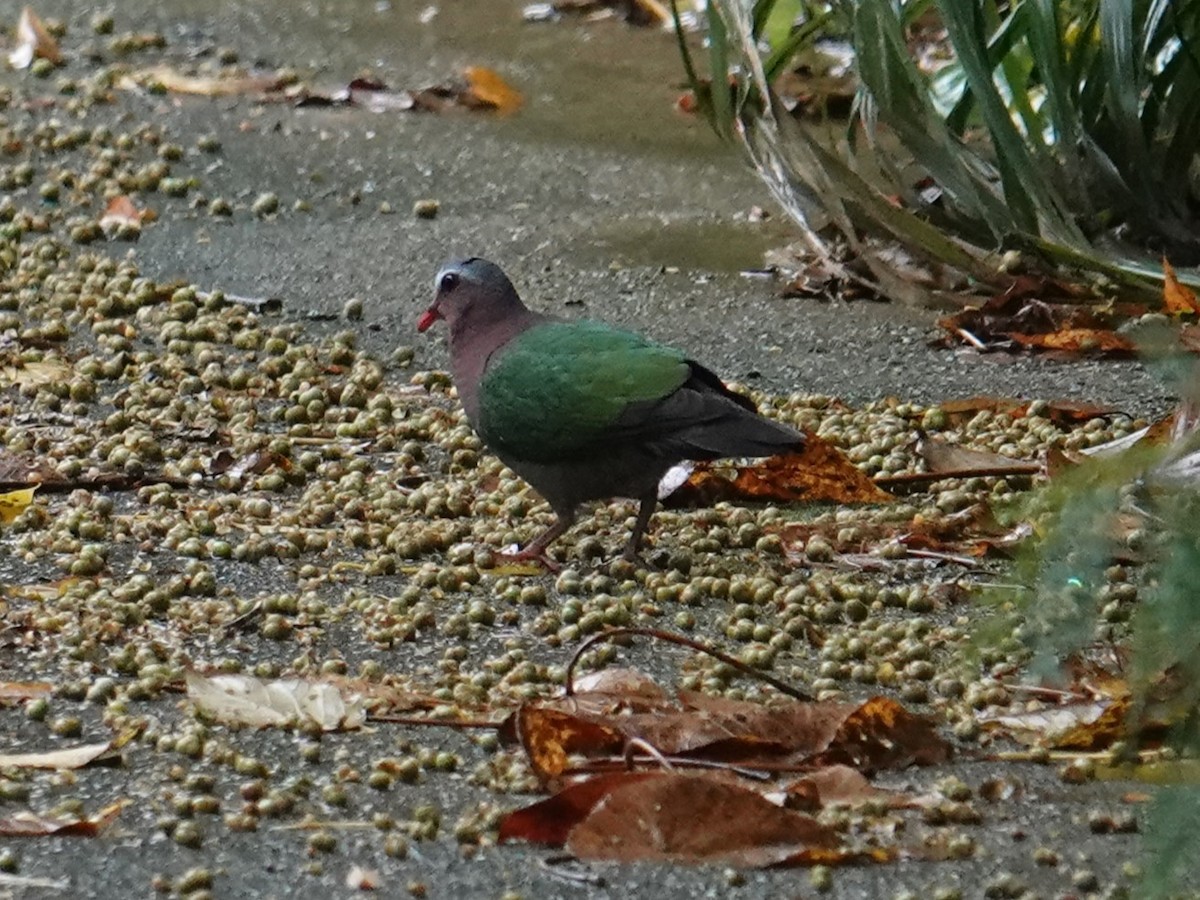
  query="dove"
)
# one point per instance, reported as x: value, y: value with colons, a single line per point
x: 581, y: 410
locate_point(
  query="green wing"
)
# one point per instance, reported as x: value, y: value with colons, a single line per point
x: 564, y: 386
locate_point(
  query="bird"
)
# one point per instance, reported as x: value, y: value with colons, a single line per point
x: 582, y: 410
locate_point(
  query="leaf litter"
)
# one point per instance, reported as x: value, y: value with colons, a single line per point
x: 637, y: 771
x: 705, y: 750
x: 476, y: 88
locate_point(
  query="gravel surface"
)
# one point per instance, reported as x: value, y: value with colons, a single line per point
x: 599, y: 200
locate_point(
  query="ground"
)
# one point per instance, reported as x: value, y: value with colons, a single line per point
x: 598, y: 198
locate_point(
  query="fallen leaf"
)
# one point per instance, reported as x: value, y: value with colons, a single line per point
x: 486, y: 88
x: 953, y: 459
x: 31, y: 824
x: 33, y: 42
x: 20, y: 691
x: 1084, y: 725
x: 13, y: 503
x: 876, y: 734
x: 1178, y: 299
x: 689, y: 818
x: 38, y: 372
x: 243, y: 700
x: 67, y: 758
x: 819, y: 472
x: 670, y: 817
x: 176, y: 82
x: 1021, y: 318
x: 1062, y: 412
x: 121, y: 218
x: 549, y: 736
x: 1082, y: 341
x: 836, y: 784
x: 550, y: 821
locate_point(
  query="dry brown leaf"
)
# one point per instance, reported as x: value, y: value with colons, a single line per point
x: 676, y: 817
x: 1085, y: 341
x: 837, y: 784
x: 549, y: 736
x: 694, y: 818
x: 873, y: 735
x: 31, y: 824
x: 486, y: 88
x: 820, y: 472
x: 953, y: 459
x: 34, y: 41
x: 1178, y: 298
x: 121, y: 218
x: 1023, y: 318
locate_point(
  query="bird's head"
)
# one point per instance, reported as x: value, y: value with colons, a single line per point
x: 470, y: 291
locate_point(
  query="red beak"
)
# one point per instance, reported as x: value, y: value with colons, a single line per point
x: 428, y: 317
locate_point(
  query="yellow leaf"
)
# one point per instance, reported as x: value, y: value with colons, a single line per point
x: 14, y: 502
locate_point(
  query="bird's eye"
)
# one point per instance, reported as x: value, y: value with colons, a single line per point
x: 449, y: 282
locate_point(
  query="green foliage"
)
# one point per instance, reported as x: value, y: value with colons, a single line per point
x: 1142, y: 505
x: 1067, y: 128
x: 1171, y: 838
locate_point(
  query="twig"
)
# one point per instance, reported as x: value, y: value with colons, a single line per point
x: 969, y: 338
x: 612, y: 763
x: 967, y: 562
x: 333, y: 824
x: 244, y: 619
x: 781, y: 686
x: 903, y: 478
x: 552, y: 866
x: 653, y: 752
x: 114, y: 481
x: 1046, y: 693
x: 427, y: 720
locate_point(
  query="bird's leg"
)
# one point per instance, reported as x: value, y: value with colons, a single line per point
x: 645, y: 511
x: 537, y: 548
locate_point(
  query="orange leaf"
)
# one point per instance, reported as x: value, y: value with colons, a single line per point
x: 818, y: 472
x: 485, y: 87
x: 549, y: 736
x: 121, y: 216
x: 1178, y: 299
x: 1077, y: 340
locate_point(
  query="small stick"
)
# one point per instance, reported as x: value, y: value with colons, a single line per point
x: 781, y: 686
x: 649, y: 749
x: 552, y: 866
x: 969, y: 338
x: 1025, y: 469
x: 428, y: 720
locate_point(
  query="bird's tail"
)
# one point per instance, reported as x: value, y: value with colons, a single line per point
x: 739, y: 433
